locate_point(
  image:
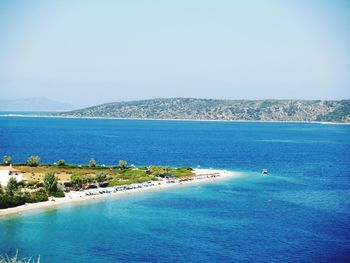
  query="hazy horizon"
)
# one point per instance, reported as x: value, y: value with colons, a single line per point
x: 88, y: 52
x: 42, y: 104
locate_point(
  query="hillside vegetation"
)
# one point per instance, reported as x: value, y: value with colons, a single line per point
x: 208, y: 109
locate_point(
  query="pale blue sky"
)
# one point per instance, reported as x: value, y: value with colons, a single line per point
x: 87, y: 52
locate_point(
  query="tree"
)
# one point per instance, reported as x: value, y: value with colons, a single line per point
x: 12, y: 186
x: 76, y: 181
x: 50, y: 183
x: 88, y: 179
x: 167, y: 169
x: 7, y: 159
x: 156, y: 171
x: 122, y: 164
x: 33, y: 160
x: 101, y: 177
x: 61, y: 163
x: 92, y: 163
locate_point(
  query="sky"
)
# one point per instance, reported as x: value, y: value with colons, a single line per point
x: 91, y: 52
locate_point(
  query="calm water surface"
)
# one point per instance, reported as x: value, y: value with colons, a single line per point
x: 300, y: 213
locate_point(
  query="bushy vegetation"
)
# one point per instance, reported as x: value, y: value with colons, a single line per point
x: 122, y: 164
x: 51, y: 185
x: 157, y: 170
x: 16, y: 193
x: 92, y: 163
x: 50, y: 182
x: 61, y: 162
x: 7, y: 160
x: 128, y: 176
x: 7, y: 200
x: 78, y: 180
x: 33, y: 161
x: 40, y: 188
x: 100, y: 177
x: 13, y: 195
x: 36, y: 196
x: 32, y: 184
x: 163, y: 171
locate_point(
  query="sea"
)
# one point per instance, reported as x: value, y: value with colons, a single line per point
x: 300, y: 212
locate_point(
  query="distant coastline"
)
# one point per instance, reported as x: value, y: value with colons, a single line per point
x: 153, y: 119
x: 335, y: 111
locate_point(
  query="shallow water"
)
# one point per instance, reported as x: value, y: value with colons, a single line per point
x: 299, y: 213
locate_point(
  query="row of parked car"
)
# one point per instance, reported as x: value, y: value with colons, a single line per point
x: 134, y: 186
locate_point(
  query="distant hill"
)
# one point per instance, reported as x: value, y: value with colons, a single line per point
x: 208, y: 109
x: 34, y: 104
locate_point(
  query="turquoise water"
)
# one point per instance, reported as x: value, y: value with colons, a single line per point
x: 300, y: 213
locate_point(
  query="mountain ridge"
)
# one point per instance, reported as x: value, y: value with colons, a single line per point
x: 216, y: 109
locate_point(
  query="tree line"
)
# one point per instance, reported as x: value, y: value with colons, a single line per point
x: 19, y: 193
x: 34, y: 160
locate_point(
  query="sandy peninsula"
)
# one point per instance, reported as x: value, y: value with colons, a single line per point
x: 201, y: 175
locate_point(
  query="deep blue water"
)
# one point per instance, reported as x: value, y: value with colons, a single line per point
x: 299, y: 213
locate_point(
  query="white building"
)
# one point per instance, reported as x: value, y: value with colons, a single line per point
x: 7, y: 172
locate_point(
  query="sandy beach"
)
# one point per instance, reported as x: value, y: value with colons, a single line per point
x: 202, y: 175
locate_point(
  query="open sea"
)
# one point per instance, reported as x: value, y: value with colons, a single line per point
x: 299, y: 213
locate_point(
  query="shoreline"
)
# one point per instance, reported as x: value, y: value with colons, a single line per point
x: 75, y: 197
x: 152, y: 119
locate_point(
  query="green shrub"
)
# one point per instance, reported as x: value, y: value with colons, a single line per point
x: 50, y: 182
x: 101, y: 177
x: 8, y: 200
x: 61, y: 163
x: 7, y: 160
x: 92, y: 163
x: 31, y: 183
x: 76, y: 181
x: 37, y: 196
x: 122, y: 164
x: 88, y: 178
x: 21, y: 184
x: 157, y: 170
x: 33, y: 161
x: 12, y: 186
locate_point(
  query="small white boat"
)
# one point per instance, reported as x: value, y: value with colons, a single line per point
x: 264, y: 172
